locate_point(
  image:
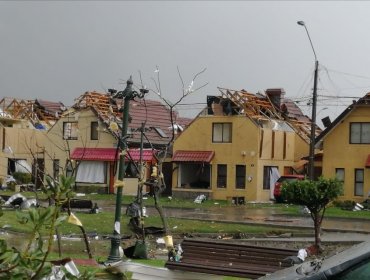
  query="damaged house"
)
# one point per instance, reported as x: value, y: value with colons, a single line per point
x: 23, y: 126
x: 237, y: 148
x: 84, y: 141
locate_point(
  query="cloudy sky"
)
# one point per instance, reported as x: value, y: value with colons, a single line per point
x: 57, y: 50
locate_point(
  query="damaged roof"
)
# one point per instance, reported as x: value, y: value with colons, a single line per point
x: 155, y: 115
x: 266, y: 107
x: 36, y: 111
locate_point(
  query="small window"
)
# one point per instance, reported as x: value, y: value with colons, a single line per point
x: 359, y: 182
x: 221, y: 132
x: 221, y: 175
x: 240, y: 176
x: 339, y: 174
x: 160, y: 132
x: 70, y: 130
x: 359, y: 133
x: 56, y: 166
x: 94, y: 135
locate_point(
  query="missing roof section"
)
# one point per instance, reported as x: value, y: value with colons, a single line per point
x: 160, y: 132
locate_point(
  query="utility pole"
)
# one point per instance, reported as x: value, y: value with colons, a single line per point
x: 311, y: 170
x: 127, y: 95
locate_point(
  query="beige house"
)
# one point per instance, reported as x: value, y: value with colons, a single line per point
x: 85, y: 141
x: 23, y: 126
x: 239, y: 146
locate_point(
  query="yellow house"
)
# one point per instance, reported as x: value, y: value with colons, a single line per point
x: 346, y: 146
x: 237, y: 148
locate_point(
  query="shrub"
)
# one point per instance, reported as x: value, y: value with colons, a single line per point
x: 23, y: 178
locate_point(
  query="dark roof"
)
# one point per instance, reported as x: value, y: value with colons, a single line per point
x: 363, y: 101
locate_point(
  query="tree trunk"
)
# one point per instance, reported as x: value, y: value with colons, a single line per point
x: 317, y: 225
x: 160, y: 211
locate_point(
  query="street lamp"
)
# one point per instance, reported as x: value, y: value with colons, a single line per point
x: 127, y: 94
x: 311, y: 170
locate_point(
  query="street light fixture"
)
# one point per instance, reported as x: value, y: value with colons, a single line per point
x: 311, y: 170
x: 127, y: 94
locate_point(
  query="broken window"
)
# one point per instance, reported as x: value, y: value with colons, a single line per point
x: 221, y: 132
x: 70, y: 130
x: 240, y: 176
x: 94, y: 131
x: 18, y: 165
x: 221, y: 175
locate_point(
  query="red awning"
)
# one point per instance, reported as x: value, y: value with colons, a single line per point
x: 109, y: 154
x: 193, y: 156
x: 147, y: 154
x: 367, y: 164
x: 95, y: 154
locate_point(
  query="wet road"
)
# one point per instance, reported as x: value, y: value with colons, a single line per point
x: 264, y: 216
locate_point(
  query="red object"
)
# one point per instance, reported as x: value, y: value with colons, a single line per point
x: 109, y: 154
x: 193, y: 156
x: 367, y: 165
x: 280, y: 181
x: 95, y: 154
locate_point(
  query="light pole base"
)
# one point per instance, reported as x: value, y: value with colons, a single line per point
x: 115, y: 255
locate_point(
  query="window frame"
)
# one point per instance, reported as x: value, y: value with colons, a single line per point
x: 221, y: 176
x: 336, y: 174
x: 361, y: 132
x: 94, y: 133
x: 70, y: 133
x: 223, y: 131
x: 240, y: 178
x: 361, y: 182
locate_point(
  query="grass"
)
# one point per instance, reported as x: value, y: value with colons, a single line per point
x: 102, y: 223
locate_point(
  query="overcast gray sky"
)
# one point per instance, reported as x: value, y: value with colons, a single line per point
x: 57, y: 50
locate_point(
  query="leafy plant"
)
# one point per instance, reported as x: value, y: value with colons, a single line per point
x: 315, y: 195
x: 31, y: 262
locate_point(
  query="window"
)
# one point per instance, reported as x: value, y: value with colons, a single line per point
x: 56, y: 166
x: 94, y: 135
x: 221, y: 175
x: 359, y: 182
x: 359, y: 133
x: 18, y: 165
x: 160, y: 132
x: 70, y: 130
x: 240, y: 176
x: 221, y: 133
x: 339, y: 174
x: 270, y: 176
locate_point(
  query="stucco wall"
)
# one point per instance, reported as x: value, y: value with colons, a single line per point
x: 339, y: 153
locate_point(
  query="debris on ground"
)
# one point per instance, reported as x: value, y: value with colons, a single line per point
x: 200, y: 198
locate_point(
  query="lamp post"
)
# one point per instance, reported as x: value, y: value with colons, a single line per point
x: 127, y: 94
x: 311, y: 170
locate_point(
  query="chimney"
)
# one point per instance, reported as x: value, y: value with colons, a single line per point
x: 326, y: 121
x: 275, y: 95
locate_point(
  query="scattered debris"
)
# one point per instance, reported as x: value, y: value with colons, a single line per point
x: 200, y: 198
x: 57, y: 269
